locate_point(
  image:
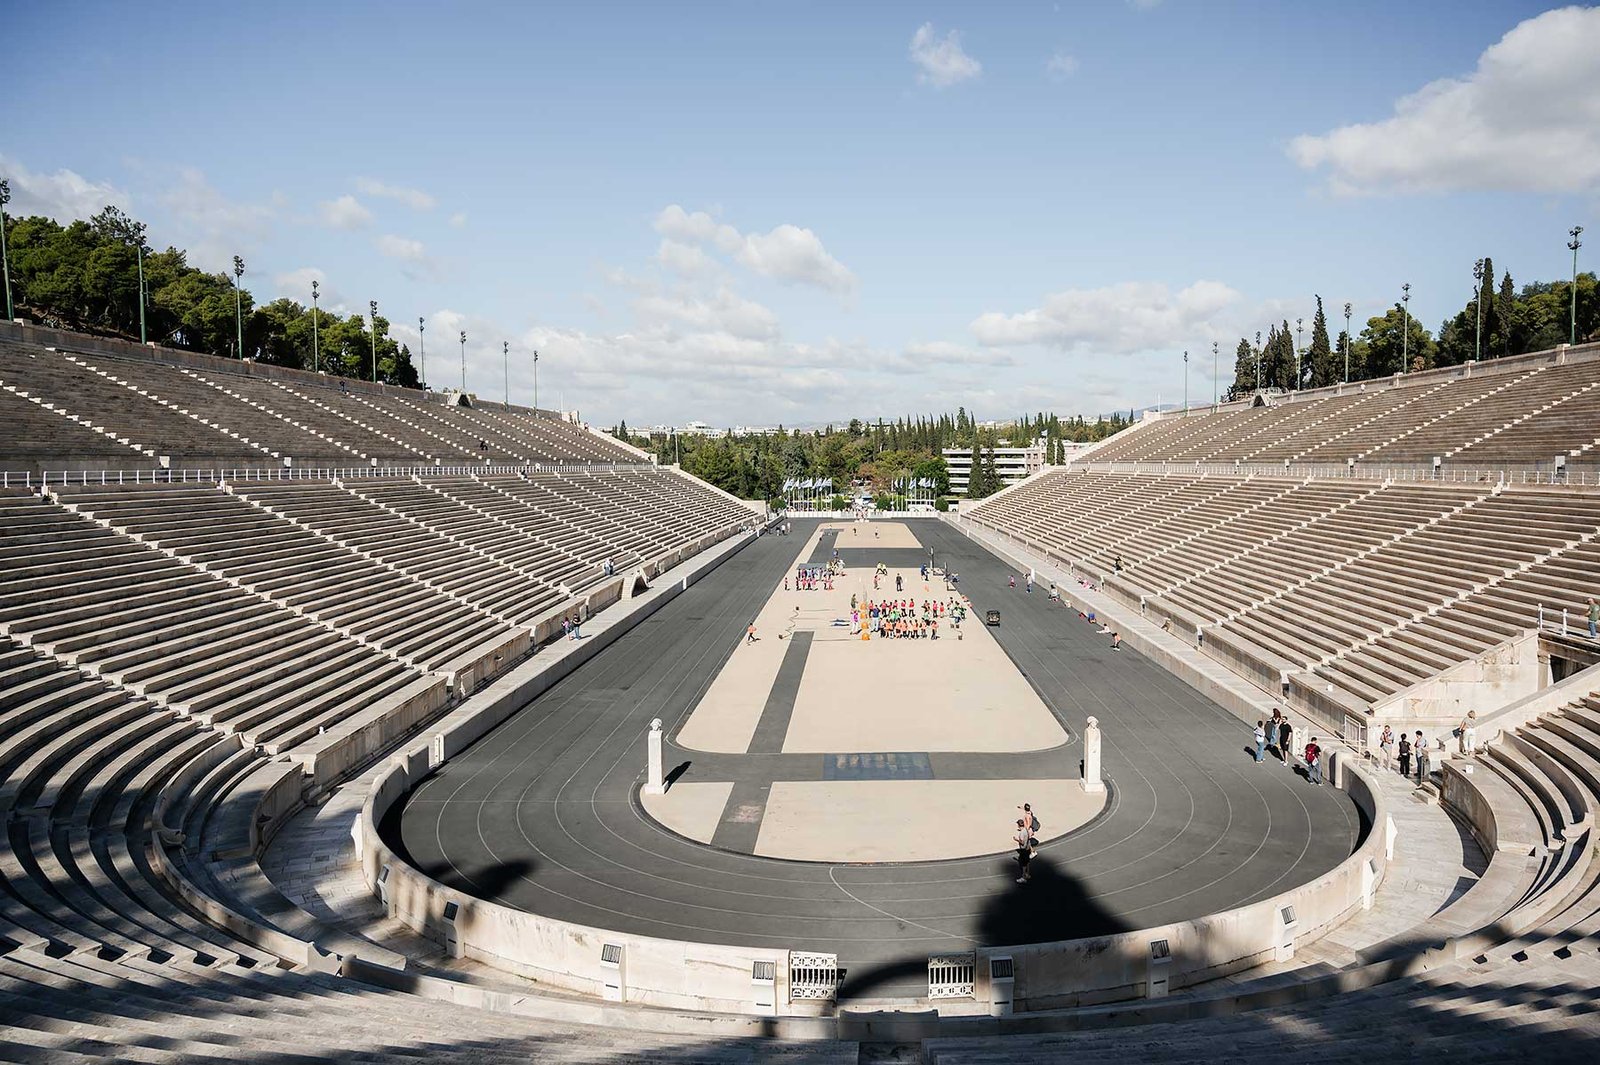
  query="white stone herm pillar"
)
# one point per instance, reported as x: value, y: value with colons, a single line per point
x: 1091, y: 757
x: 653, y: 785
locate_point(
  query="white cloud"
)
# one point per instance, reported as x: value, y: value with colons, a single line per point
x: 686, y: 259
x: 212, y: 227
x: 296, y: 285
x: 413, y: 198
x: 346, y: 212
x: 1527, y: 119
x: 723, y: 313
x: 940, y: 60
x: 64, y: 195
x: 1061, y: 65
x: 402, y: 248
x: 1120, y: 319
x: 1144, y: 5
x: 784, y: 253
x: 458, y: 220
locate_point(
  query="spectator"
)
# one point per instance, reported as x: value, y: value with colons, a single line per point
x: 1405, y: 755
x: 1469, y: 732
x: 1261, y: 740
x: 1420, y: 750
x: 1594, y: 619
x: 1314, y: 762
x: 1386, y: 747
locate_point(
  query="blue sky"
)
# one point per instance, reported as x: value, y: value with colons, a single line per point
x: 756, y: 212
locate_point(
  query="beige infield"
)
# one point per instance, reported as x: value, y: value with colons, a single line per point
x: 913, y: 820
x: 957, y: 694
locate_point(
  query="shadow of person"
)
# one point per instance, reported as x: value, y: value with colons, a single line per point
x: 1052, y: 905
x: 672, y: 778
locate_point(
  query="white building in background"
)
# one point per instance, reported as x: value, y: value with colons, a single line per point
x: 1011, y: 463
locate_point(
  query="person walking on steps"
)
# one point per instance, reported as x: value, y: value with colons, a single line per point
x: 1261, y: 740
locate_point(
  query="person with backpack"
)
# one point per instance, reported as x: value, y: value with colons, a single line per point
x: 1026, y: 846
x: 1314, y: 762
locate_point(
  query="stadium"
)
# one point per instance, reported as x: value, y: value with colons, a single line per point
x: 352, y: 718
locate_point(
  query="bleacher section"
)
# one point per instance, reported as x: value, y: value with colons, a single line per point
x: 1515, y: 414
x: 82, y: 409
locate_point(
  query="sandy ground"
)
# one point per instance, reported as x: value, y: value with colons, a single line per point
x: 866, y: 535
x: 913, y: 820
x: 949, y: 694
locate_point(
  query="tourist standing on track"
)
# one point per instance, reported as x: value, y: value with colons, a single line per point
x: 1261, y: 739
x: 1314, y: 762
x: 1273, y: 725
x: 1386, y: 747
x: 1286, y: 742
x: 577, y: 634
x: 1025, y: 845
x: 566, y: 627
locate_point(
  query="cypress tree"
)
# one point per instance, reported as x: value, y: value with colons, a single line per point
x: 1323, y: 370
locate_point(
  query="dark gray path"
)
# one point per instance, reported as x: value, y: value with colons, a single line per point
x: 541, y: 814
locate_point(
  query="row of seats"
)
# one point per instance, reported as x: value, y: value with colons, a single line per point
x: 83, y: 410
x: 1519, y: 416
x: 1371, y: 586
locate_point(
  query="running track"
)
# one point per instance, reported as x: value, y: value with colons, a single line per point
x: 542, y: 813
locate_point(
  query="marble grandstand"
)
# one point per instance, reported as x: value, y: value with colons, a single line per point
x: 225, y: 590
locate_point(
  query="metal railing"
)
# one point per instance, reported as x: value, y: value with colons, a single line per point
x: 1474, y: 475
x: 1567, y: 625
x: 217, y: 475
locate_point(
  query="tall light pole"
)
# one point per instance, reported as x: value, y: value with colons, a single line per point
x: 536, y: 381
x: 238, y: 301
x: 1214, y: 392
x: 316, y: 346
x: 463, y: 362
x: 422, y: 349
x: 138, y: 245
x: 1477, y: 302
x: 5, y: 257
x: 1405, y: 327
x: 505, y: 368
x: 1575, y: 244
x: 1299, y: 336
x: 1185, y: 384
x: 1258, y: 360
x: 373, y: 306
x: 1349, y: 341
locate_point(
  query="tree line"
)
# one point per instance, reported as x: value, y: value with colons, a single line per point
x: 872, y: 453
x: 84, y: 276
x: 1499, y: 320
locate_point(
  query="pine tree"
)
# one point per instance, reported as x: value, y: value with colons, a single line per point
x: 1491, y: 311
x: 1505, y: 311
x: 1244, y: 370
x: 1323, y: 370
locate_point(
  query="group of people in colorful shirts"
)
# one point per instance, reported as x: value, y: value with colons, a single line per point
x: 904, y: 618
